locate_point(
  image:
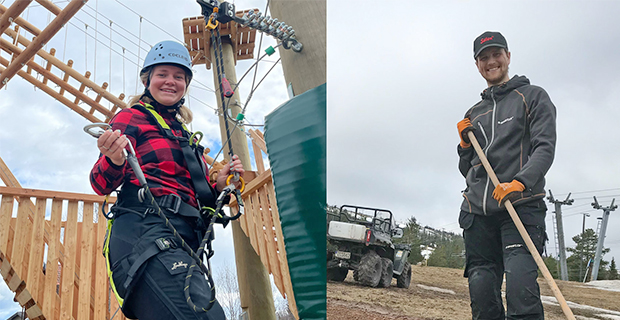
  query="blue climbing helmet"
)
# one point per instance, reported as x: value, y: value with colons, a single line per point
x: 169, y: 52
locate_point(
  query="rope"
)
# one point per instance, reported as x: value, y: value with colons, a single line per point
x: 85, y: 47
x: 260, y: 43
x: 244, y: 107
x: 246, y: 104
x: 96, y: 24
x: 147, y: 20
x: 110, y: 65
x: 124, y: 69
x: 139, y: 42
x: 195, y: 82
x: 219, y: 61
x: 64, y: 48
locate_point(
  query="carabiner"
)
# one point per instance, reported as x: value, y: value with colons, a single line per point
x: 210, y: 24
x: 198, y: 136
x: 100, y: 125
x: 240, y: 179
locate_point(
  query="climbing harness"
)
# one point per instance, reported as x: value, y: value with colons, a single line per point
x: 214, y: 13
x: 146, y: 197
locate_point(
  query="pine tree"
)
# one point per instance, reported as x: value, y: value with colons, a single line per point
x: 584, y: 250
x: 411, y: 236
x: 613, y: 272
x: 552, y: 265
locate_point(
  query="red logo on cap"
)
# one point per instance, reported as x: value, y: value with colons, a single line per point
x: 483, y: 40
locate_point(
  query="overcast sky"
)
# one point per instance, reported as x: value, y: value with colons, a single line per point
x: 401, y: 75
x: 42, y: 141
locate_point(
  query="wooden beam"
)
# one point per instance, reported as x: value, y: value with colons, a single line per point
x: 54, y: 94
x: 50, y: 6
x: 72, y: 8
x: 22, y: 23
x: 65, y: 78
x: 82, y: 87
x: 7, y: 176
x: 254, y: 185
x: 48, y: 66
x: 72, y: 72
x: 257, y: 137
x: 11, y: 13
x: 47, y: 74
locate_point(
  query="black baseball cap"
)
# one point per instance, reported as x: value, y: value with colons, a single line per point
x: 489, y: 39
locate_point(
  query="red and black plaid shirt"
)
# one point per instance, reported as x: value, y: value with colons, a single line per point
x: 161, y: 158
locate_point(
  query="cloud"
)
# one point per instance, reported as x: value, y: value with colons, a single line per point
x: 395, y: 94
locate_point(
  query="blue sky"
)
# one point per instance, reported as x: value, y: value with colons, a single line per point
x: 43, y: 144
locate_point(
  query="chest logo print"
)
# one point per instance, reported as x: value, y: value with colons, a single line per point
x: 178, y: 265
x: 505, y: 120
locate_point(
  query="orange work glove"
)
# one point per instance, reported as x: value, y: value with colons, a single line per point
x: 464, y: 126
x: 507, y: 191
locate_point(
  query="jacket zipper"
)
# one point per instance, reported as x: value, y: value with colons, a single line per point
x: 486, y: 187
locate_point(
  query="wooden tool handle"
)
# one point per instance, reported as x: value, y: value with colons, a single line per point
x: 526, y: 237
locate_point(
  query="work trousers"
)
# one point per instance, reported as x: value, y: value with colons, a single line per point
x: 494, y: 247
x: 157, y: 288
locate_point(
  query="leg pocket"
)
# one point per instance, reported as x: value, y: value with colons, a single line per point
x: 169, y: 270
x: 466, y: 219
x: 176, y: 261
x: 119, y: 275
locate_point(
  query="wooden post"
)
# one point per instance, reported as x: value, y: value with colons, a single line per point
x: 306, y: 69
x: 72, y: 8
x: 254, y: 286
x: 22, y: 23
x: 12, y: 13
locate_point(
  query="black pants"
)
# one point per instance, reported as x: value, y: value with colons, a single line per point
x: 494, y: 247
x: 157, y: 292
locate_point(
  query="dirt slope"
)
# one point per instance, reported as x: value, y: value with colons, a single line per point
x: 442, y: 293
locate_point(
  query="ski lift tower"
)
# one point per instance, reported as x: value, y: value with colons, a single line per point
x: 601, y: 236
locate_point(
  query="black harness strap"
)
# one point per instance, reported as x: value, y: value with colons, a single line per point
x: 192, y: 152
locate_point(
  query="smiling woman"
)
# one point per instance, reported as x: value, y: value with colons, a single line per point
x: 168, y: 84
x: 150, y: 262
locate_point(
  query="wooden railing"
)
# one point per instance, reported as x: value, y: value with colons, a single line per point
x: 47, y: 236
x: 50, y: 254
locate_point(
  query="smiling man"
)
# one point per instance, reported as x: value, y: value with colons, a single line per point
x: 515, y: 125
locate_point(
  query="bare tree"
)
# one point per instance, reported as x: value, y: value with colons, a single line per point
x: 227, y: 292
x: 282, y: 310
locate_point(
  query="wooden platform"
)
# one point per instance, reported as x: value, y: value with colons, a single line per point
x: 198, y: 40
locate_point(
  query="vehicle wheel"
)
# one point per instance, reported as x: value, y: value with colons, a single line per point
x: 369, y: 271
x: 386, y: 273
x: 404, y: 279
x: 337, y: 274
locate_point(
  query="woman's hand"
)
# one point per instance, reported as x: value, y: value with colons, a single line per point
x: 111, y: 144
x: 229, y: 168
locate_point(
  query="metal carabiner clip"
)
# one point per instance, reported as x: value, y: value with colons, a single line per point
x: 237, y: 178
x: 101, y: 126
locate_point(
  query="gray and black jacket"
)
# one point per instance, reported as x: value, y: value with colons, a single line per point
x: 515, y: 126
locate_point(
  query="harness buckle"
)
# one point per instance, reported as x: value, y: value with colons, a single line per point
x: 171, y: 202
x: 163, y: 244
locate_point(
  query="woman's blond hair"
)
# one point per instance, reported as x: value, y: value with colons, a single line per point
x: 184, y: 114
